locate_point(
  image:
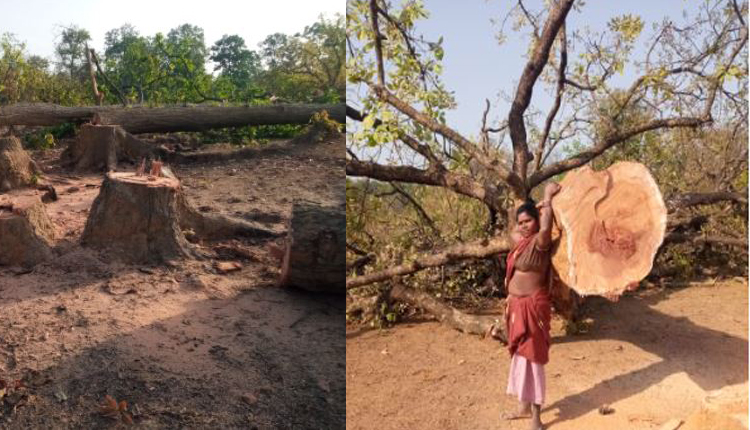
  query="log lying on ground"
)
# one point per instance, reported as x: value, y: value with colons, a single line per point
x: 26, y: 232
x: 315, y: 255
x: 17, y: 169
x: 101, y: 147
x: 461, y: 321
x: 216, y: 226
x: 167, y: 119
x: 137, y: 219
x: 612, y: 224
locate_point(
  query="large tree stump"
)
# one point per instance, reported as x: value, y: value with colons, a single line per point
x: 101, y: 147
x: 17, y: 169
x: 26, y: 232
x: 612, y: 224
x: 315, y: 255
x: 137, y: 219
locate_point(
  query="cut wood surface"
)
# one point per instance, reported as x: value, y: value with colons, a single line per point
x: 612, y: 223
x: 315, y: 255
x: 167, y: 119
x: 26, y: 232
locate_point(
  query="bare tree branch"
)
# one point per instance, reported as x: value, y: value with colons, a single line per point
x: 491, y: 163
x: 420, y: 210
x: 477, y: 249
x: 558, y: 97
x: 696, y: 199
x: 458, y: 183
x: 378, y: 41
x: 531, y: 73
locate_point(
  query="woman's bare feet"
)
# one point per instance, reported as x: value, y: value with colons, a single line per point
x: 524, y: 411
x: 536, y: 420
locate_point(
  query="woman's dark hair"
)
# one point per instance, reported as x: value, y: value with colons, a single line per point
x: 529, y: 207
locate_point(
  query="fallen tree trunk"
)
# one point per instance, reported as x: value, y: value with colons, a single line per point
x: 315, y: 256
x: 461, y: 321
x: 167, y: 119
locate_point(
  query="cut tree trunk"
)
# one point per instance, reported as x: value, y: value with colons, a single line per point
x: 315, y: 255
x: 26, y: 232
x: 137, y: 219
x: 167, y: 119
x: 461, y: 321
x: 611, y: 225
x: 101, y: 147
x: 17, y: 169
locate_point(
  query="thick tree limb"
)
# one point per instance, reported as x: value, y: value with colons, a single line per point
x: 696, y: 199
x: 461, y: 321
x: 491, y: 163
x: 584, y: 157
x: 458, y: 183
x: 378, y: 41
x: 166, y: 119
x: 477, y: 249
x: 723, y: 240
x: 106, y: 79
x: 531, y: 72
x: 558, y: 97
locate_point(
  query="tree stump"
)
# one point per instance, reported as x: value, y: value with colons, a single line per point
x: 17, y: 169
x: 26, y: 232
x: 315, y: 254
x: 611, y: 224
x: 100, y: 147
x: 137, y: 219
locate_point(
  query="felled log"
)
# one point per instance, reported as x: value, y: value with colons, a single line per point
x: 17, y: 169
x: 167, y: 119
x: 100, y: 147
x: 217, y: 226
x: 461, y: 321
x: 136, y: 219
x: 26, y: 232
x: 611, y: 223
x: 315, y: 254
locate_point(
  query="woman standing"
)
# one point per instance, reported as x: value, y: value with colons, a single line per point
x: 528, y: 310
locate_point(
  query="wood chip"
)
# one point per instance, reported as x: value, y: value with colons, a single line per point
x: 227, y: 266
x: 672, y: 424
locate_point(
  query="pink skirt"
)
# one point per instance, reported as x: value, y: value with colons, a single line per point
x: 526, y: 380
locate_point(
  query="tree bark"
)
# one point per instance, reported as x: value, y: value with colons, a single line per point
x: 478, y: 249
x: 315, y: 256
x: 167, y: 119
x: 136, y: 218
x: 16, y: 166
x: 26, y: 232
x: 461, y: 321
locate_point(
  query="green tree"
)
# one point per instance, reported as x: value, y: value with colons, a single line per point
x: 70, y: 51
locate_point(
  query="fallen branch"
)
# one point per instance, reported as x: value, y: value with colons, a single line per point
x: 478, y: 249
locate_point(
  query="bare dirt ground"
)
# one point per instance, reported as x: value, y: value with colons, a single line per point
x: 651, y: 357
x: 184, y: 345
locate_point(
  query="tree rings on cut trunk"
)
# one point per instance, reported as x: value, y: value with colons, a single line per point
x: 315, y: 255
x: 26, y: 232
x: 16, y: 167
x: 612, y: 223
x: 136, y: 218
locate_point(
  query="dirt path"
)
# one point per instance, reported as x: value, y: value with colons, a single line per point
x: 651, y: 357
x: 184, y: 345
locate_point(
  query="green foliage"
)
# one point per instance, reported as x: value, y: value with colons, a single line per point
x: 47, y: 137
